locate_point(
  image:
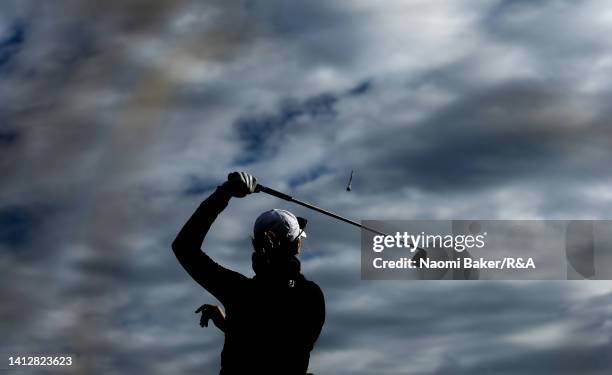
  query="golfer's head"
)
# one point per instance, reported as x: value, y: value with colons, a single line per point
x: 279, y: 231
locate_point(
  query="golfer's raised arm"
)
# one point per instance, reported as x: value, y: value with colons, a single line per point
x: 190, y: 238
x: 187, y: 244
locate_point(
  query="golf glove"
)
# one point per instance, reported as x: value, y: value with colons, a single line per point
x: 239, y: 184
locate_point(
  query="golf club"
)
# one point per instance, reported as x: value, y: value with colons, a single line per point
x: 420, y: 253
x: 289, y: 198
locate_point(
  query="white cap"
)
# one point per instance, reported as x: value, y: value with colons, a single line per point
x: 282, y: 222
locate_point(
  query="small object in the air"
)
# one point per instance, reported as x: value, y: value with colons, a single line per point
x: 348, y: 187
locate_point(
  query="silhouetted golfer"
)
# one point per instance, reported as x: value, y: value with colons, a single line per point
x: 272, y: 320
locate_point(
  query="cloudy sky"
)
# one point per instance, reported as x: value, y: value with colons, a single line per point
x: 118, y: 117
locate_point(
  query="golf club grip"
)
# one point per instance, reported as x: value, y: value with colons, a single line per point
x: 267, y: 190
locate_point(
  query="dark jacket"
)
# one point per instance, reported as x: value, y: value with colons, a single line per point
x: 271, y: 324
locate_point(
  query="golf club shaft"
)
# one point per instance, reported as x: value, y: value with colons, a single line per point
x: 289, y: 198
x: 260, y: 188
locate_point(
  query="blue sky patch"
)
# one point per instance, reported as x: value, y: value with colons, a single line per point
x: 260, y: 133
x: 361, y: 89
x: 16, y: 226
x: 11, y: 43
x: 8, y: 137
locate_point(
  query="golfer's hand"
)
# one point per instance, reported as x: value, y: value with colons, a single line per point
x: 213, y: 312
x: 239, y: 184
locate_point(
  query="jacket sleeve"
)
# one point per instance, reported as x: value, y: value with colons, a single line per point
x: 318, y: 314
x: 216, y: 279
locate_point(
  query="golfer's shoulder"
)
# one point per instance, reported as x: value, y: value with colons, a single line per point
x: 312, y: 288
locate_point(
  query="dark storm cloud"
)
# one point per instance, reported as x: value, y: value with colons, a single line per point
x: 521, y: 130
x: 568, y: 359
x: 471, y: 328
x: 522, y: 311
